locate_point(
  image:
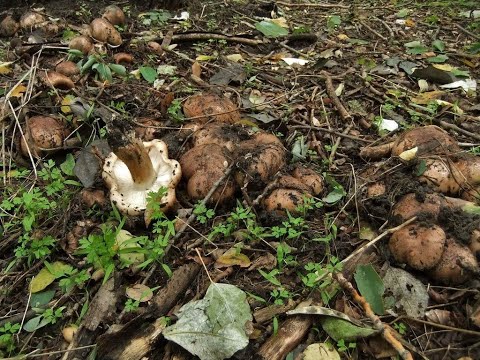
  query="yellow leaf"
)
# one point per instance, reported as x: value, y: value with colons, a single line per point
x: 409, y: 23
x: 426, y: 97
x: 5, y: 67
x: 280, y: 22
x: 67, y: 100
x: 18, y: 91
x: 235, y: 57
x: 342, y: 37
x: 41, y: 281
x: 204, y: 57
x: 444, y: 67
x: 233, y: 257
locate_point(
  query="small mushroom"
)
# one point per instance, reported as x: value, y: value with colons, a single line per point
x: 211, y: 107
x: 67, y: 68
x: 310, y: 178
x: 69, y: 332
x: 136, y: 168
x: 203, y: 166
x: 455, y: 264
x: 123, y: 58
x: 8, y: 26
x: 421, y: 247
x: 105, y: 32
x: 114, y: 15
x: 81, y: 43
x: 31, y: 19
x: 155, y: 47
x: 43, y: 134
x: 58, y: 81
x: 281, y: 200
x: 259, y: 159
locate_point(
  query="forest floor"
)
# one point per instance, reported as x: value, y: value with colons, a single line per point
x: 281, y: 249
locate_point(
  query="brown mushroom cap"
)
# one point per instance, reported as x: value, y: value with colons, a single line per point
x: 310, y: 178
x: 67, y: 68
x: 211, y: 107
x: 469, y: 167
x: 31, y: 19
x: 218, y: 133
x: 281, y: 200
x: 448, y: 271
x: 122, y: 57
x: 290, y: 182
x: 409, y: 206
x: 442, y: 175
x: 81, y: 43
x: 114, y: 15
x: 58, y: 81
x: 259, y: 158
x: 8, y: 26
x: 429, y: 139
x: 420, y: 247
x: 105, y: 32
x: 376, y: 189
x: 203, y: 166
x: 43, y: 133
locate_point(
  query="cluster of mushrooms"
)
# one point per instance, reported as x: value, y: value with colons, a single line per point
x: 453, y: 180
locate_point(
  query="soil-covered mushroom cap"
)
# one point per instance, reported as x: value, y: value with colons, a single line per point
x: 421, y: 247
x: 114, y: 15
x: 281, y: 200
x: 411, y: 205
x: 310, y: 178
x: 43, y: 133
x: 105, y: 32
x: 203, y: 166
x: 207, y: 107
x: 429, y: 139
x: 130, y: 184
x: 454, y: 265
x: 81, y: 43
x: 8, y: 26
x: 225, y: 135
x: 67, y: 68
x: 31, y: 19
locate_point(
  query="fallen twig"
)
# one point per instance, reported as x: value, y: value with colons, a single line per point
x: 336, y: 101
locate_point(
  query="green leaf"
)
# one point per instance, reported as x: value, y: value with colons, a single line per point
x: 334, y: 196
x: 438, y: 59
x: 129, y: 248
x: 92, y: 59
x: 103, y: 71
x: 421, y: 168
x: 415, y: 48
x: 371, y: 287
x: 475, y: 48
x: 213, y: 328
x: 333, y: 21
x: 166, y: 70
x: 339, y: 329
x: 270, y: 29
x: 32, y: 324
x: 402, y: 13
x: 68, y: 165
x: 439, y: 45
x: 42, y: 280
x: 41, y: 298
x: 118, y: 69
x: 148, y: 73
x: 460, y: 73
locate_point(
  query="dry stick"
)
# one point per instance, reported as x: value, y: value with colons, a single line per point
x: 467, y: 32
x: 385, y: 330
x: 373, y: 31
x: 447, y: 125
x: 208, y: 36
x: 190, y: 219
x: 336, y: 101
x: 325, y: 6
x: 440, y: 326
x: 337, y: 144
x: 321, y: 129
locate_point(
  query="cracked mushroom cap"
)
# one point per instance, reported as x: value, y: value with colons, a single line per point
x: 130, y: 196
x: 418, y: 246
x: 454, y: 265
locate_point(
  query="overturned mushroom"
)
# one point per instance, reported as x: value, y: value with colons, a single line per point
x: 203, y: 166
x: 135, y: 169
x: 58, y: 81
x: 123, y: 58
x: 43, y: 134
x: 211, y: 107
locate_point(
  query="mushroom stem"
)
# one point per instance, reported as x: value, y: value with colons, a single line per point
x: 136, y: 157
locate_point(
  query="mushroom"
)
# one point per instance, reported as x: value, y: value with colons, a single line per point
x: 259, y: 159
x: 105, y: 32
x: 281, y: 200
x: 454, y: 266
x: 203, y: 166
x: 81, y: 43
x: 58, y: 81
x: 136, y: 168
x: 8, y: 26
x: 411, y: 205
x: 114, y: 15
x: 310, y: 178
x: 31, y: 19
x: 474, y: 245
x: 122, y: 57
x: 67, y: 68
x: 211, y: 107
x: 418, y: 246
x: 43, y: 134
x: 225, y: 135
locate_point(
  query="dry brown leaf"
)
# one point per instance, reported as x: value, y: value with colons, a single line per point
x: 231, y: 257
x: 267, y: 262
x: 443, y: 317
x: 196, y: 69
x: 18, y: 90
x: 139, y: 292
x: 5, y: 68
x: 427, y: 97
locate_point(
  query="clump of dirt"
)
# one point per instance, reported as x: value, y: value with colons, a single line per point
x: 459, y: 224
